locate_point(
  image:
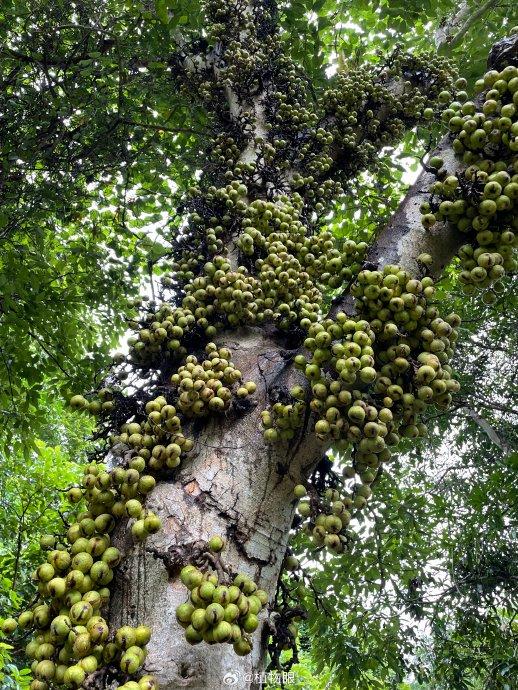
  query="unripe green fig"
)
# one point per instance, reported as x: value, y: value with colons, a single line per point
x: 270, y: 435
x: 425, y: 259
x: 25, y: 619
x: 184, y: 613
x: 231, y: 613
x: 206, y: 590
x: 47, y: 541
x: 291, y: 563
x: 41, y: 616
x: 254, y: 604
x: 129, y: 663
x: 133, y: 508
x: 57, y: 587
x: 223, y: 632
x: 214, y: 613
x: 78, y: 402
x: 75, y: 675
x: 74, y: 494
x: 152, y: 523
x: 37, y: 684
x: 216, y: 543
x: 193, y: 636
x: 81, y: 613
x: 191, y: 576
x: 74, y: 579
x: 89, y: 664
x: 221, y: 595
x: 242, y: 647
x: 111, y: 556
x: 94, y: 599
x: 304, y: 509
x: 146, y: 483
x: 250, y: 623
x: 125, y: 637
x: 99, y: 632
x: 138, y: 652
x: 436, y: 162
x: 198, y: 620
x: 82, y: 561
x: 60, y: 560
x: 82, y: 645
x: 142, y: 635
x: 139, y: 531
x: 148, y: 682
x: 45, y: 670
x: 299, y: 491
x: 9, y: 625
x: 110, y: 651
x: 45, y: 572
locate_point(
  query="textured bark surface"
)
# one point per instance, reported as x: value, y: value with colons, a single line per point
x: 404, y: 237
x: 232, y: 484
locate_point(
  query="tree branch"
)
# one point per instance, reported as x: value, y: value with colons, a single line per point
x: 453, y: 29
x: 490, y: 431
x: 162, y: 128
x: 491, y: 405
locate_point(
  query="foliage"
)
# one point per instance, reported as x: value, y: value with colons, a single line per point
x: 366, y: 28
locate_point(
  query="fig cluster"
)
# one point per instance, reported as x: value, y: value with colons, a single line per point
x: 70, y: 637
x: 372, y: 375
x: 153, y: 433
x: 480, y: 198
x: 250, y: 248
x: 220, y: 612
x: 289, y: 270
x: 325, y: 518
x: 206, y: 387
x: 366, y: 111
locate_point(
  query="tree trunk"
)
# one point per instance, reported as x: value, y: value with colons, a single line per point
x: 234, y: 485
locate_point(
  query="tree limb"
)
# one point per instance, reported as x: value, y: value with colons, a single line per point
x: 453, y: 29
x: 489, y: 430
